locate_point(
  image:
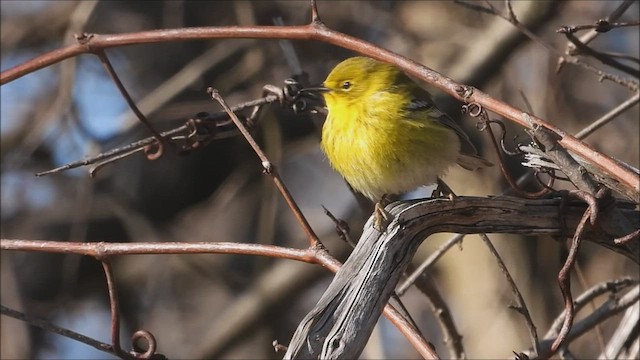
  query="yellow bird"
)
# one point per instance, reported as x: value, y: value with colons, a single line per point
x: 384, y: 134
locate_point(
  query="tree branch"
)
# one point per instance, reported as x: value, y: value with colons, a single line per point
x: 340, y: 324
x: 317, y: 31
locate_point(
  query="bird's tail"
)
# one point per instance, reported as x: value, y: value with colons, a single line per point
x: 472, y: 162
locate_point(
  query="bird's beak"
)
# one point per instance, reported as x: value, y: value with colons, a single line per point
x: 316, y: 90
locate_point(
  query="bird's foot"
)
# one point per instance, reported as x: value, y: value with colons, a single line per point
x: 381, y: 217
x: 443, y: 190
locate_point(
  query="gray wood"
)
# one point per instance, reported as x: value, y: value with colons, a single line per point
x: 339, y: 326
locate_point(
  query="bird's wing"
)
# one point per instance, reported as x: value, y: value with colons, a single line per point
x: 423, y: 102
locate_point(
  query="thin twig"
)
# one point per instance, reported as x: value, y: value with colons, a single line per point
x: 132, y: 105
x: 216, y: 119
x: 607, y: 60
x: 592, y: 34
x: 601, y: 26
x: 439, y: 307
x: 632, y: 85
x: 402, y: 289
x: 99, y: 249
x: 188, y: 74
x: 342, y: 228
x: 93, y: 171
x: 609, y: 308
x: 606, y: 118
x: 45, y: 325
x: 619, y: 55
x: 564, y: 281
x: 582, y: 280
x: 613, y: 287
x: 407, y: 316
x: 113, y: 304
x: 627, y: 238
x: 313, y: 255
x: 269, y: 169
x: 412, y: 334
x: 521, y: 306
x: 314, y: 31
x: 315, y: 16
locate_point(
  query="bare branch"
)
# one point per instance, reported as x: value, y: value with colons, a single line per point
x: 452, y: 337
x: 43, y: 324
x: 521, y: 305
x: 321, y: 33
x: 608, y: 309
x: 591, y: 35
x: 456, y: 239
x: 606, y: 118
x: 270, y: 169
x: 333, y: 329
x: 605, y: 59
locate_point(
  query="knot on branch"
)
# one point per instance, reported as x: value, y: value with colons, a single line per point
x: 83, y: 38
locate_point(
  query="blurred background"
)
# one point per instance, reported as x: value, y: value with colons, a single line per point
x: 233, y: 307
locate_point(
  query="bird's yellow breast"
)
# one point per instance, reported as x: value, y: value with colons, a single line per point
x: 379, y: 149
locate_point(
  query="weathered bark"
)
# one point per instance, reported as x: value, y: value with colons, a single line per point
x: 339, y: 326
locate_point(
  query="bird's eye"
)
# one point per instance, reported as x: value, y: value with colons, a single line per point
x: 346, y: 85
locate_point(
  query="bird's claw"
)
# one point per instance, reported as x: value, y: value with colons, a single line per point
x: 443, y: 190
x: 381, y: 218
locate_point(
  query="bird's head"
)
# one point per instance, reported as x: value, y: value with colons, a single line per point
x: 357, y: 79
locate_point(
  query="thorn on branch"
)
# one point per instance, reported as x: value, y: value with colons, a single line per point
x: 278, y: 347
x: 315, y: 16
x: 267, y: 167
x: 83, y: 38
x: 464, y: 92
x: 342, y: 228
x: 627, y: 238
x: 603, y: 26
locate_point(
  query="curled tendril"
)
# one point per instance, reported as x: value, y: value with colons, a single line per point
x: 154, y: 151
x: 291, y: 89
x: 299, y: 106
x: 192, y: 139
x: 292, y: 96
x: 483, y: 125
x: 296, y: 97
x: 473, y: 109
x: 199, y: 132
x: 476, y: 110
x: 152, y: 345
